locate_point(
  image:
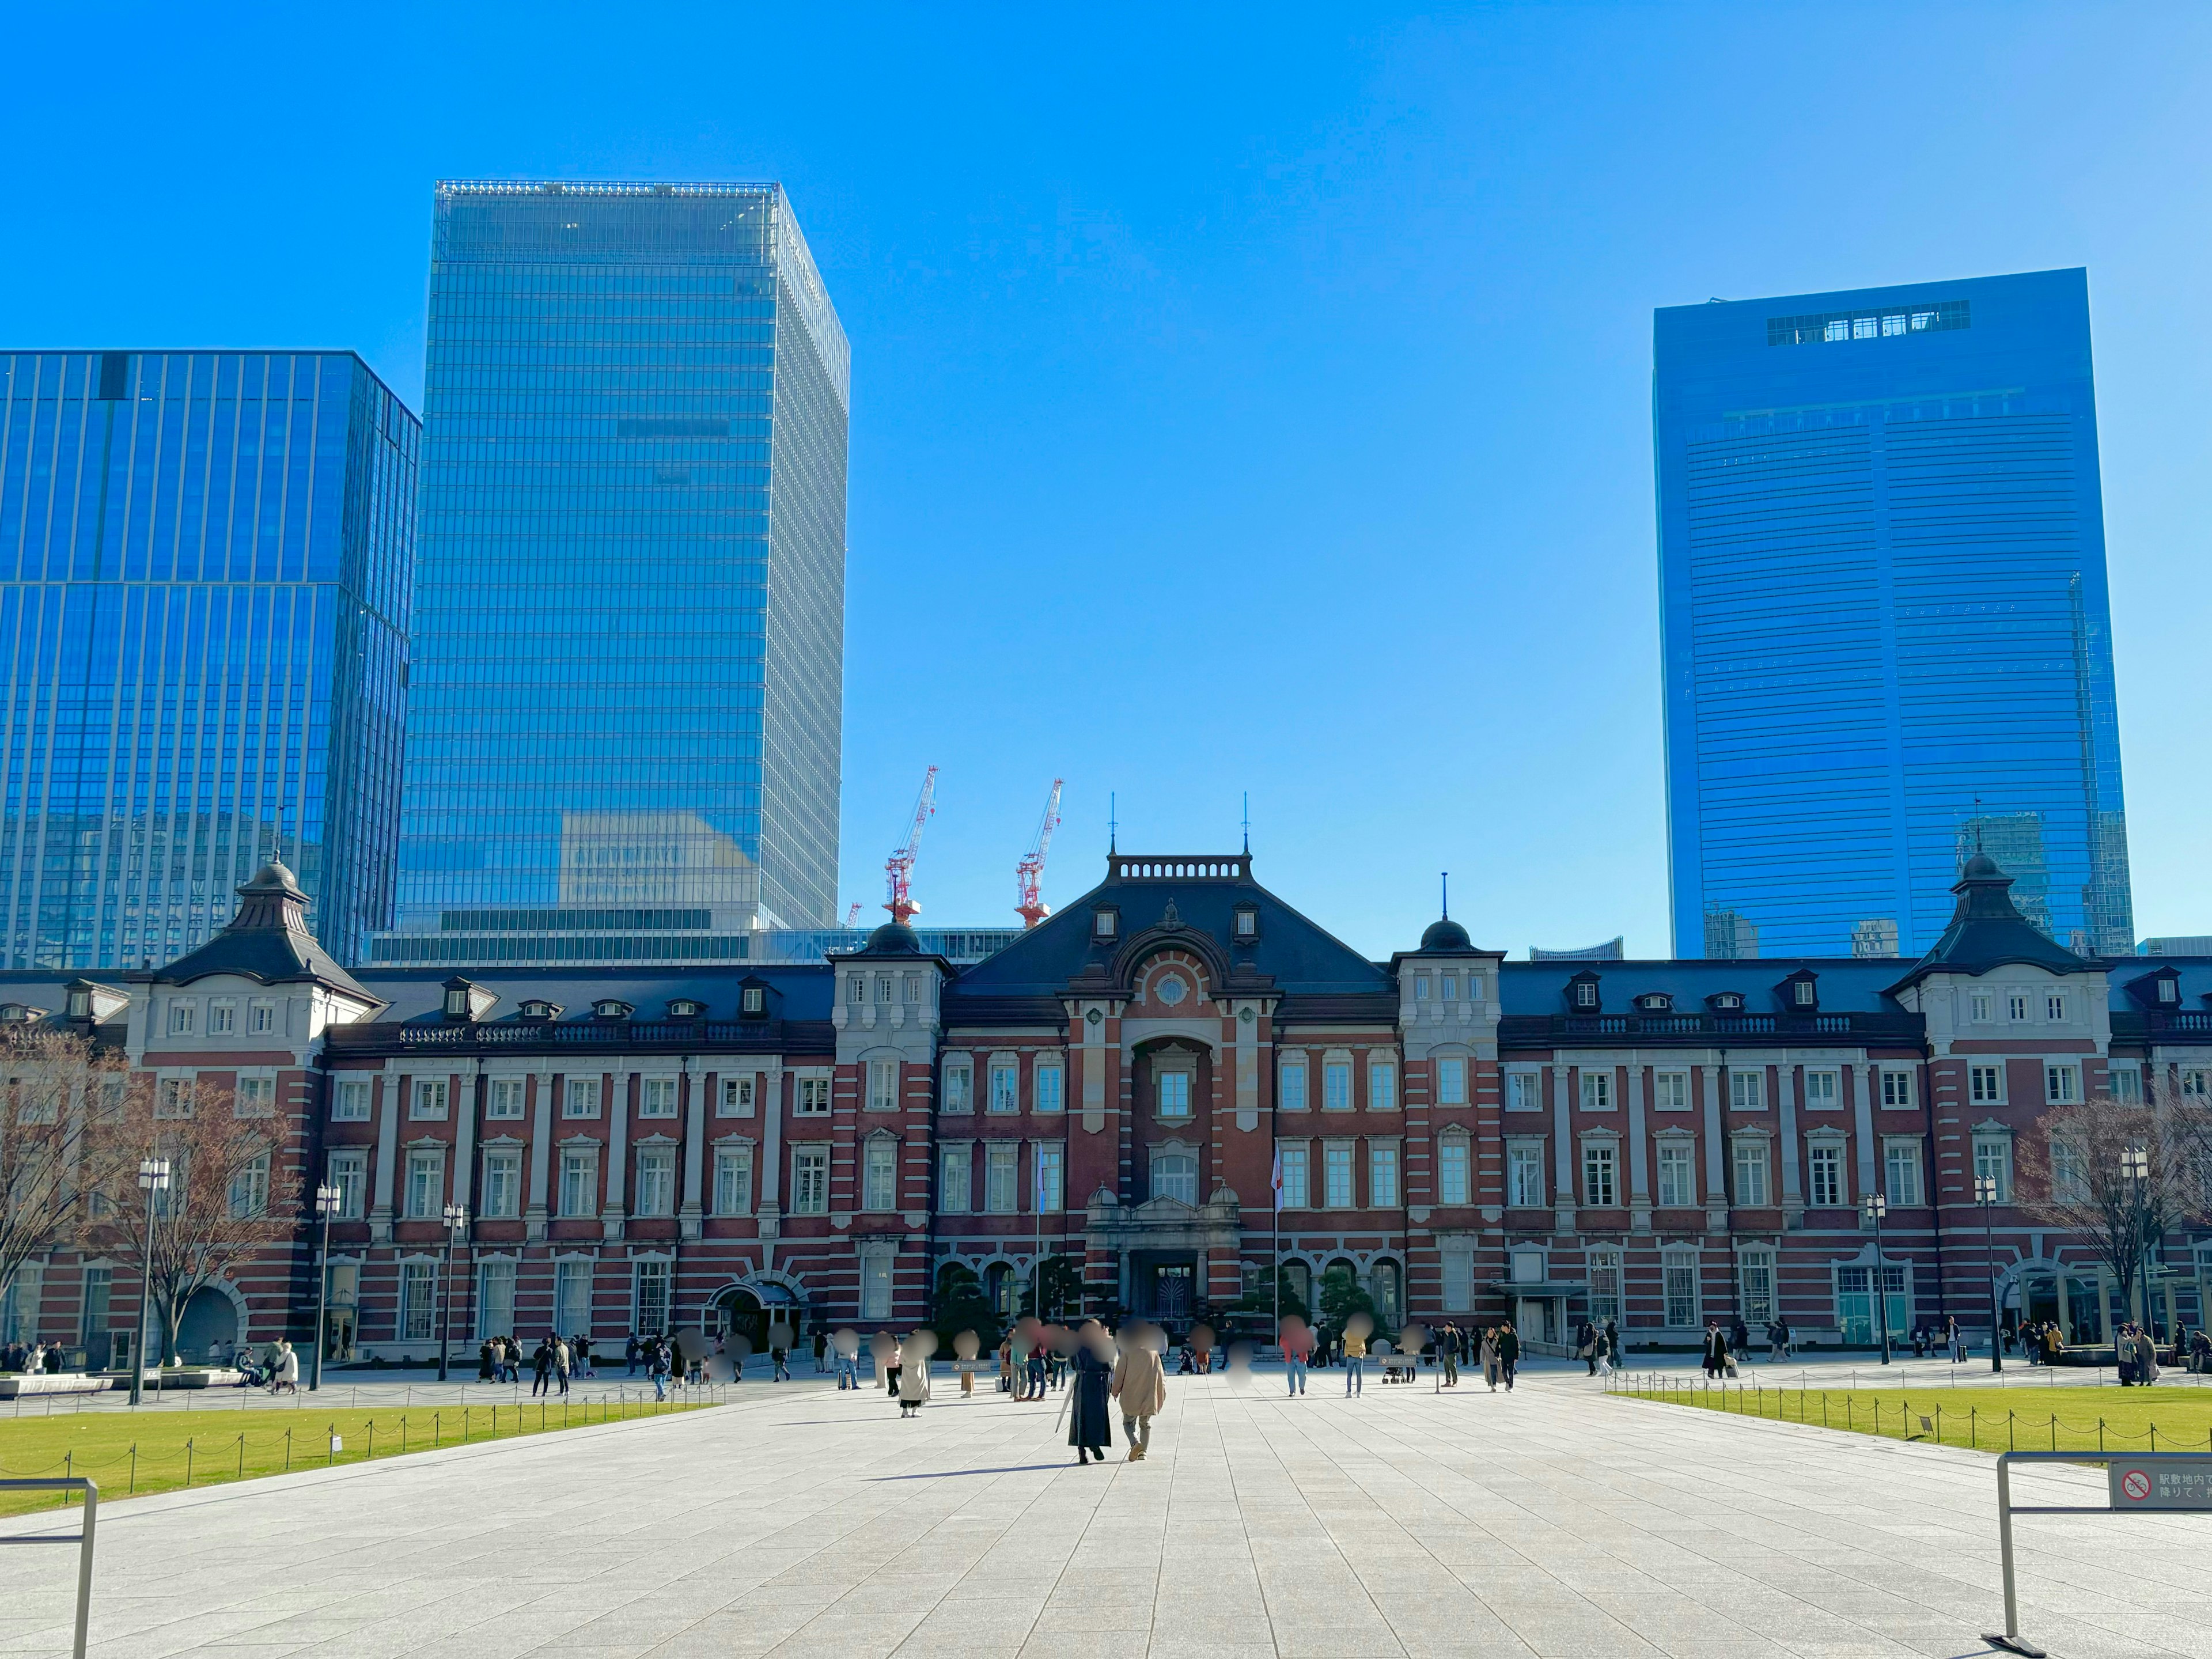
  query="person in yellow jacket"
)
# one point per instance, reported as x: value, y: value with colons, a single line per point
x: 1140, y: 1383
x: 1355, y: 1330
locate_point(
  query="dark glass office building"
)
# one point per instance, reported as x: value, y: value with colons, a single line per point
x: 204, y: 560
x: 1884, y: 632
x: 623, y: 730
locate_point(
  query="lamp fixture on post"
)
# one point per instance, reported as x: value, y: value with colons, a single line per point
x: 2134, y: 1173
x: 153, y: 1177
x: 327, y: 1198
x: 1877, y: 1207
x: 1985, y: 1194
x: 457, y: 1218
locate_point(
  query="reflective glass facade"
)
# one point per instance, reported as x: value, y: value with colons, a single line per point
x: 1885, y: 630
x: 203, y: 574
x: 629, y: 652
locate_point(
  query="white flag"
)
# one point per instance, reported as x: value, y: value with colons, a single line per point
x: 1278, y: 1182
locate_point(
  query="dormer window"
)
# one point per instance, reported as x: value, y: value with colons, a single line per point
x: 685, y: 1008
x: 608, y: 1008
x: 1247, y: 921
x: 1800, y: 993
x: 1585, y: 995
x: 753, y: 1001
x: 533, y: 1009
x: 80, y: 1002
x: 1726, y: 1002
x: 2169, y: 992
x: 1105, y: 922
x: 13, y: 1013
x: 1655, y: 1002
x: 457, y: 1002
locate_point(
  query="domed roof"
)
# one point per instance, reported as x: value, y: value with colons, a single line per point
x: 1980, y: 867
x: 893, y: 938
x: 1446, y: 935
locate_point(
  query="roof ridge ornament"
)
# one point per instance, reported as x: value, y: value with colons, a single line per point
x: 1172, y: 918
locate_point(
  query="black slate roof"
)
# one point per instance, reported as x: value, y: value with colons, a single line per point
x: 1988, y: 931
x: 268, y: 940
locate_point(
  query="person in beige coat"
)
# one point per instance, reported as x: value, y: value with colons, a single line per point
x: 1140, y: 1383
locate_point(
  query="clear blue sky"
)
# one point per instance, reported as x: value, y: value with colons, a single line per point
x: 1239, y: 402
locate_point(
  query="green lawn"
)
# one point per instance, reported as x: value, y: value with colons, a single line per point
x: 125, y: 1453
x: 1983, y: 1419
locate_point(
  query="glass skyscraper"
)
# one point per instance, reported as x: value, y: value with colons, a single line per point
x: 624, y: 723
x: 1884, y: 632
x: 203, y: 574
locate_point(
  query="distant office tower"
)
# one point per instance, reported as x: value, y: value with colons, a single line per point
x: 1881, y: 552
x: 624, y: 735
x: 204, y: 560
x: 1614, y: 950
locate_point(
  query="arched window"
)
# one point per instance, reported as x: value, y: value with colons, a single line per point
x: 1298, y: 1283
x: 1387, y: 1286
x: 1174, y: 1173
x: 1004, y: 1289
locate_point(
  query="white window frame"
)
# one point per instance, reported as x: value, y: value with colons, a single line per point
x: 1751, y: 1156
x: 1992, y: 1156
x: 1339, y: 1174
x: 812, y: 1094
x: 883, y: 1085
x: 1985, y: 1081
x: 1382, y: 1085
x: 1382, y: 1175
x: 1524, y: 1089
x: 1005, y: 1097
x: 1898, y: 1091
x: 351, y: 1099
x: 1047, y: 1083
x: 1824, y: 1089
x: 737, y: 1096
x: 581, y: 1094
x: 1455, y: 1168
x: 429, y: 1099
x: 500, y: 1197
x: 423, y: 1173
x: 733, y: 1178
x: 222, y: 1017
x: 261, y: 1018
x: 1291, y: 1092
x: 810, y: 1178
x: 1758, y: 1276
x: 1604, y: 1266
x: 1174, y: 1092
x: 347, y: 1168
x: 1903, y: 1165
x: 2061, y: 1082
x: 657, y: 1097
x: 1681, y: 1289
x: 956, y: 1177
x: 1297, y: 1174
x: 1002, y: 1177
x: 506, y: 1099
x: 2123, y: 1082
x: 879, y: 1168
x: 1665, y: 1083
x: 1983, y: 1008
x: 1524, y: 1175
x: 656, y: 1169
x: 1451, y: 1080
x: 254, y: 1095
x: 1677, y: 1153
x: 1827, y: 1166
x: 578, y: 1193
x: 1600, y: 1171
x: 1050, y: 1157
x: 1597, y: 1091
x: 1747, y: 1089
x: 1336, y: 1084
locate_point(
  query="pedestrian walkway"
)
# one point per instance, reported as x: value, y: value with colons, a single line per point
x: 797, y: 1520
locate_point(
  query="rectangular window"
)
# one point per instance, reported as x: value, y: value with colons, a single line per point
x: 249, y: 1188
x: 426, y: 1183
x: 876, y: 1284
x: 856, y: 988
x: 1993, y: 1162
x: 1524, y: 1177
x: 1824, y: 1091
x: 1755, y: 1275
x: 2062, y: 1083
x: 733, y: 1181
x: 580, y: 1183
x: 810, y: 1180
x: 1420, y: 988
x: 2016, y: 1005
x: 656, y: 1097
x: 1597, y: 1091
x: 1825, y: 1164
x: 955, y: 1177
x: 1382, y: 1086
x: 349, y: 1100
x: 1336, y: 1086
x: 1524, y: 1091
x: 1046, y: 1086
x: 1897, y: 1091
x: 2069, y: 1171
x: 1293, y: 1094
x: 2196, y: 1082
x: 503, y: 1097
x: 1748, y: 1092
x: 263, y: 1018
x: 656, y: 1181
x: 1985, y: 1084
x: 503, y: 1184
x: 1336, y: 1175
x: 879, y: 1174
x: 222, y: 1018
x: 2126, y: 1084
x: 1459, y: 1281
x: 959, y: 1086
x: 257, y: 1097
x: 1381, y: 1175
x: 418, y: 1301
x: 1750, y: 1188
x: 1901, y: 1167
x: 909, y: 988
x: 1174, y: 1090
x: 1051, y: 1163
x: 495, y: 1296
x: 183, y: 1017
x: 649, y: 1298
x: 2054, y: 1007
x: 426, y: 1100
x: 1981, y: 1005
x: 571, y: 1298
x: 1678, y: 1174
x: 737, y: 1098
x: 813, y: 1098
x: 1006, y: 1089
x: 350, y: 1175
x: 1001, y: 1177
x: 1600, y: 1188
x: 883, y: 1085
x: 579, y: 1097
x: 1452, y: 1169
x: 1670, y: 1092
x: 1604, y: 1285
x: 1679, y: 1283
x: 1295, y: 1156
x: 883, y: 988
x: 1451, y: 1081
x: 173, y: 1097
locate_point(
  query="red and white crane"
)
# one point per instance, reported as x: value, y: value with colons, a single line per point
x: 852, y: 916
x: 898, y: 869
x: 1029, y: 873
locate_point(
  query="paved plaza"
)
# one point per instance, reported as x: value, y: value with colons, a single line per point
x: 798, y: 1520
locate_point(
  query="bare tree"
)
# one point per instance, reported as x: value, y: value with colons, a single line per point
x: 2118, y: 1175
x: 218, y: 1210
x: 65, y: 1098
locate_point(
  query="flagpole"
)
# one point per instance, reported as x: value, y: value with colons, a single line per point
x: 1275, y: 1246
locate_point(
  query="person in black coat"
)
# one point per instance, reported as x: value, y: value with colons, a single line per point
x: 1089, y: 1426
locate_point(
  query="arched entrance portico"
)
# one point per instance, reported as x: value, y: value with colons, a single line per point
x: 209, y: 1328
x: 749, y: 1308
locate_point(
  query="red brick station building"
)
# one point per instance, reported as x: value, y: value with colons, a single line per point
x: 1124, y: 1087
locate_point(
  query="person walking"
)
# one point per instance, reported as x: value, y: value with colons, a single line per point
x: 1586, y: 1345
x: 562, y: 1360
x: 1090, y: 1421
x: 1355, y: 1362
x: 820, y: 1352
x: 631, y: 1351
x: 1447, y: 1354
x: 287, y: 1379
x: 1297, y: 1338
x: 913, y: 1374
x: 1140, y: 1383
x: 1489, y: 1356
x: 1716, y: 1349
x: 1509, y: 1352
x: 1613, y: 1342
x: 542, y: 1362
x: 1038, y: 1357
x: 1739, y: 1338
x: 657, y: 1367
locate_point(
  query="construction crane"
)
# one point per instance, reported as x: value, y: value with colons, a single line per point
x: 1029, y: 873
x: 898, y: 869
x: 852, y: 916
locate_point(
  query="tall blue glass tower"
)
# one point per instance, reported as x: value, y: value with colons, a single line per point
x: 1885, y: 631
x: 204, y: 560
x: 624, y: 723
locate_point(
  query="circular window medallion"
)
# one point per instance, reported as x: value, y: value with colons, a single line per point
x: 1170, y: 989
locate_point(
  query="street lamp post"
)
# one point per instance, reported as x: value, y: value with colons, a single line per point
x: 153, y: 1177
x: 326, y: 1205
x: 457, y: 1217
x: 1876, y: 1207
x: 1985, y: 1194
x: 2134, y: 1171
